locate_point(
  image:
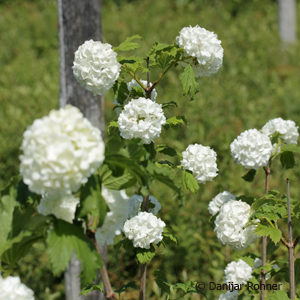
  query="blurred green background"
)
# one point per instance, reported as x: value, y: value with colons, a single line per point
x: 259, y: 81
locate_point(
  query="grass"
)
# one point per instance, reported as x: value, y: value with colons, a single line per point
x: 259, y: 81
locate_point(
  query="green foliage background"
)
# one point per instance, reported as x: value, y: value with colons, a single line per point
x: 259, y: 81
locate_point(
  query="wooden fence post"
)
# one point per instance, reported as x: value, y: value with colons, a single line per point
x: 79, y: 20
x: 287, y: 21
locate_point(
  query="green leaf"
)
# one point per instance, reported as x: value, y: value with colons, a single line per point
x: 90, y: 288
x: 165, y: 175
x: 132, y: 166
x: 249, y: 176
x: 124, y: 181
x: 169, y: 104
x: 7, y: 207
x: 145, y: 255
x: 169, y: 237
x: 111, y: 125
x: 290, y: 147
x: 64, y: 239
x: 126, y: 286
x: 274, y: 233
x: 189, y: 182
x: 278, y: 295
x: 175, y: 121
x: 129, y: 44
x: 92, y: 203
x: 188, y: 82
x: 150, y: 148
x: 121, y: 91
x: 287, y: 159
x: 166, y: 150
x: 161, y: 281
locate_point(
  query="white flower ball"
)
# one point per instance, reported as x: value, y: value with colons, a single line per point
x: 229, y: 295
x: 204, y: 46
x: 230, y: 224
x: 96, y: 67
x: 60, y: 152
x: 252, y: 149
x: 215, y: 204
x: 286, y: 128
x: 61, y: 206
x: 141, y: 118
x: 238, y: 272
x: 133, y: 83
x: 201, y: 161
x: 119, y: 204
x: 121, y: 208
x: 144, y: 229
x: 11, y: 288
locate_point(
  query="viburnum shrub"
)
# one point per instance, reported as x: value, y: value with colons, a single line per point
x: 77, y: 193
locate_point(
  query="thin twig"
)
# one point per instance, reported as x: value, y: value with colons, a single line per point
x: 264, y: 238
x: 143, y: 278
x: 291, y: 244
x: 109, y: 293
x: 143, y: 268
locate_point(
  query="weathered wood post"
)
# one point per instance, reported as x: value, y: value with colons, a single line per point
x: 78, y: 21
x: 287, y: 21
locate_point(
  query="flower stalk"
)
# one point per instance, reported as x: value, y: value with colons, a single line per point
x: 264, y: 238
x: 291, y: 244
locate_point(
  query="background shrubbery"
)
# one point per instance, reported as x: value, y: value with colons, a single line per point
x: 258, y: 82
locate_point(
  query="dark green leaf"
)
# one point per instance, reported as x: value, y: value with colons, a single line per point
x: 189, y: 84
x: 166, y: 150
x: 93, y: 287
x: 150, y: 148
x: 92, y: 203
x: 121, y: 91
x: 169, y: 104
x: 287, y: 159
x: 161, y: 281
x: 249, y: 176
x: 132, y: 166
x: 126, y: 286
x: 125, y: 180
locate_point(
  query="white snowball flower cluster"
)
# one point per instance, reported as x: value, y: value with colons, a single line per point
x: 238, y: 272
x: 60, y: 152
x: 96, y: 67
x: 220, y: 199
x: 144, y: 229
x: 252, y: 149
x: 133, y: 83
x: 61, y: 206
x: 229, y: 295
x: 286, y: 128
x: 141, y: 118
x: 201, y: 161
x: 204, y: 46
x: 11, y: 288
x: 119, y: 205
x: 230, y: 224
